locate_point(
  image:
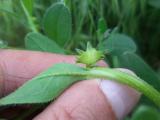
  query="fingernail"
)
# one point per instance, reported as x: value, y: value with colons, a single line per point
x: 121, y: 97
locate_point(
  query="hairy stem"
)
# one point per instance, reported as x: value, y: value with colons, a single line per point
x: 130, y: 80
x: 121, y: 77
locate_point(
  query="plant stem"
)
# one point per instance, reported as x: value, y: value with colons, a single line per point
x: 130, y: 80
x: 29, y: 18
x: 121, y: 77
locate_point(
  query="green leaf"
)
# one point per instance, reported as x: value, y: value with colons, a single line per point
x: 3, y: 44
x: 6, y: 5
x: 139, y: 66
x: 50, y: 84
x: 39, y: 42
x: 146, y: 113
x: 45, y: 87
x: 154, y: 3
x: 57, y: 23
x: 28, y: 4
x: 102, y: 27
x: 118, y: 44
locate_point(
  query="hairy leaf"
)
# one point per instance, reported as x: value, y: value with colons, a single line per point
x: 45, y: 87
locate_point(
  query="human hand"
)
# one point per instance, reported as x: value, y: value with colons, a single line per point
x: 85, y: 100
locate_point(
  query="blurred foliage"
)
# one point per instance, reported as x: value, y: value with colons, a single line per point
x: 145, y: 113
x: 138, y: 19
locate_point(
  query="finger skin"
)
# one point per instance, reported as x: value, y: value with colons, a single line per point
x: 18, y: 66
x: 82, y: 101
x: 1, y: 80
x: 86, y: 101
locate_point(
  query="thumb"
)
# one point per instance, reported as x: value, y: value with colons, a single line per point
x: 92, y: 100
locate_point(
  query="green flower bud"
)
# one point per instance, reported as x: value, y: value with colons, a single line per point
x: 89, y: 57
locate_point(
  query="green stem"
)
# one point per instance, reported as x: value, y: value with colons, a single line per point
x: 130, y: 80
x: 121, y: 77
x: 29, y: 18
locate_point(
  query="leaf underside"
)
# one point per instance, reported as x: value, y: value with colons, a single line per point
x: 45, y: 87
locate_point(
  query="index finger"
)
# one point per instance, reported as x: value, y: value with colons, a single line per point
x: 18, y: 66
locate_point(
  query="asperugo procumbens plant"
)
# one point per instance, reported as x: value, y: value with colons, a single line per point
x: 51, y: 83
